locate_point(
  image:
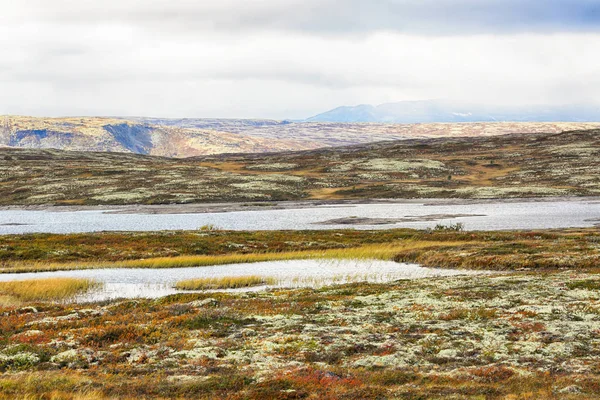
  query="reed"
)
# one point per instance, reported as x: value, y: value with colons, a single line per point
x: 227, y: 282
x: 51, y: 289
x: 386, y: 251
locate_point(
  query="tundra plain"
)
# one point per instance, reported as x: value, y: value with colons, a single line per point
x: 528, y: 329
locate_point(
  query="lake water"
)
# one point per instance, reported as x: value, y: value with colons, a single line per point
x: 484, y: 216
x: 154, y: 283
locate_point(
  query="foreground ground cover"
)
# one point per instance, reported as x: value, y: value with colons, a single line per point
x: 523, y: 335
x: 532, y: 332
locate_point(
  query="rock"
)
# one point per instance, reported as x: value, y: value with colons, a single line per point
x: 138, y: 355
x: 90, y: 312
x: 210, y: 302
x: 65, y: 357
x: 74, y: 358
x: 570, y: 389
x: 27, y: 310
x: 447, y: 353
x: 247, y: 332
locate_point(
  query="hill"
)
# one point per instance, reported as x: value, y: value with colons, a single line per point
x: 193, y: 137
x: 131, y: 136
x: 533, y: 165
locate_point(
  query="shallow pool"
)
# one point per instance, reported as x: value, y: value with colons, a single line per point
x: 153, y: 283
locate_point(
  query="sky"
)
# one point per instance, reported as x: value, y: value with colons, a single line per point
x: 291, y: 59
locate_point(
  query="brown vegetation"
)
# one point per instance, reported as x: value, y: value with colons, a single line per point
x: 533, y: 165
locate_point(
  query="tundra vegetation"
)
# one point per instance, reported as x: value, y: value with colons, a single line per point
x: 518, y: 165
x: 531, y: 332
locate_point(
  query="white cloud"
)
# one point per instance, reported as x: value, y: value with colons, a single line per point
x: 86, y: 59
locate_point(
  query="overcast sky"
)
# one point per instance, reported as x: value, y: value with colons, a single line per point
x: 291, y: 58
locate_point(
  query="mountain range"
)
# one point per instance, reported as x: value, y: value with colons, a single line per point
x: 190, y: 137
x: 409, y: 112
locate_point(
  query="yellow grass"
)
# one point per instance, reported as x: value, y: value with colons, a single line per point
x: 375, y: 252
x: 227, y: 282
x: 44, y: 289
x: 8, y: 301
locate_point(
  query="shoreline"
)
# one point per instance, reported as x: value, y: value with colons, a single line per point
x: 204, y: 208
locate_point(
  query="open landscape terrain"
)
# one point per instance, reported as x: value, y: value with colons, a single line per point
x: 531, y: 331
x: 475, y: 314
x: 193, y: 137
x: 506, y: 166
x: 299, y: 199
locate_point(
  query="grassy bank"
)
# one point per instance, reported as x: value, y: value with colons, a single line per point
x: 228, y: 282
x: 556, y: 249
x: 51, y: 289
x: 376, y: 252
x: 122, y: 246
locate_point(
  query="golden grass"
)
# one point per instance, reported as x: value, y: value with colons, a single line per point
x: 385, y: 251
x: 8, y: 301
x: 227, y: 282
x: 44, y: 289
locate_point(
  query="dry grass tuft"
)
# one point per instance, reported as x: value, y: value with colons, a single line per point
x: 228, y: 282
x: 44, y: 289
x: 386, y: 251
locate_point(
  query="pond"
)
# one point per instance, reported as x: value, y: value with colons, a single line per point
x: 486, y: 215
x: 154, y: 283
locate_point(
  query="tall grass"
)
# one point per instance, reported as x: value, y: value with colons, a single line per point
x: 45, y: 289
x: 227, y: 282
x: 385, y: 251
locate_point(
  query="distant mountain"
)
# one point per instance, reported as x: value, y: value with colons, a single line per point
x: 170, y: 138
x: 190, y: 137
x: 408, y: 112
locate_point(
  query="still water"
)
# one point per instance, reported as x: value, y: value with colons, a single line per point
x: 153, y: 283
x: 475, y: 216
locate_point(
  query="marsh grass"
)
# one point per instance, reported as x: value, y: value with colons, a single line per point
x: 227, y: 282
x: 8, y: 301
x: 51, y: 289
x: 384, y: 252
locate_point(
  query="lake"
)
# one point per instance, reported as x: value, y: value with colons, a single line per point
x: 486, y: 215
